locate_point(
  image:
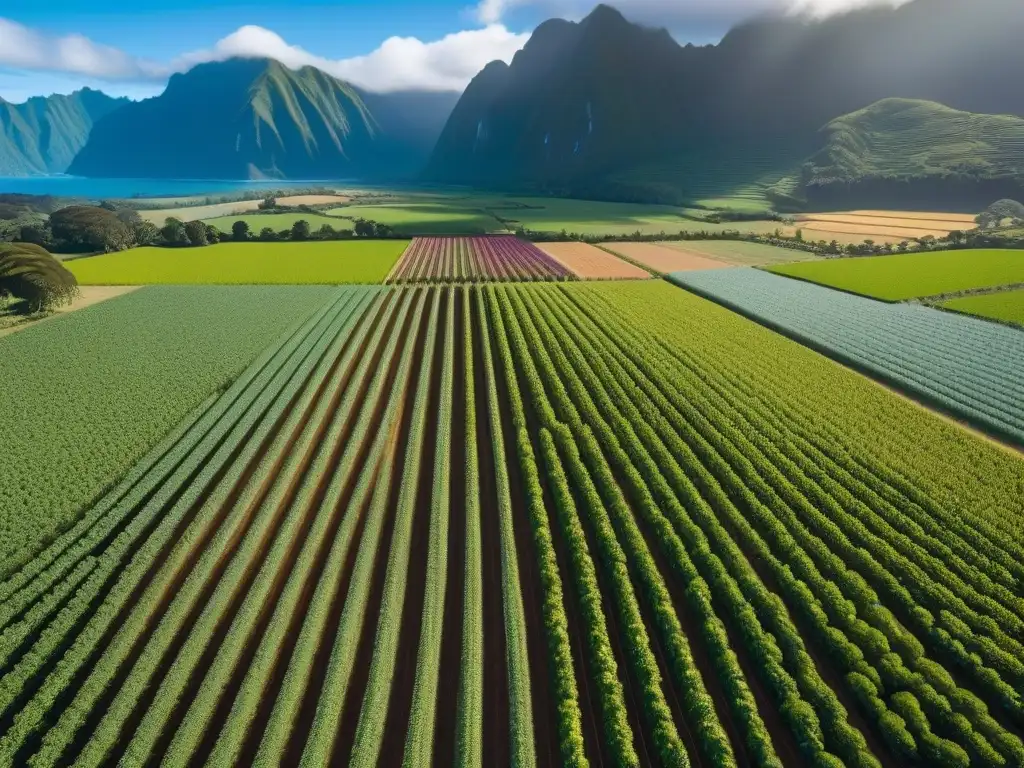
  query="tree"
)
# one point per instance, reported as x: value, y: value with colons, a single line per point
x: 196, y: 233
x: 268, y: 235
x: 326, y: 232
x: 145, y: 233
x: 957, y: 237
x: 267, y: 203
x: 365, y: 228
x: 84, y: 228
x: 284, y: 234
x: 240, y: 231
x: 128, y: 216
x: 213, y: 235
x: 300, y: 230
x: 173, y: 233
x: 37, y: 234
x: 29, y: 272
x: 903, y: 246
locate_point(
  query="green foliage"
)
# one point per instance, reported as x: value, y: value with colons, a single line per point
x: 1005, y: 306
x: 108, y: 382
x: 85, y: 228
x: 29, y: 273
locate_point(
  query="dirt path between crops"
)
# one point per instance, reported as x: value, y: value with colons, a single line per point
x: 90, y: 294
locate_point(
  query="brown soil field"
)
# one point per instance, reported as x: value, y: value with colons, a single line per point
x: 191, y: 213
x: 662, y: 259
x: 90, y: 294
x: 963, y: 218
x: 591, y: 263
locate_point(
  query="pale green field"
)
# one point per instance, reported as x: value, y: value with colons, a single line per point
x: 314, y: 263
x: 1007, y: 306
x: 741, y: 253
x: 424, y: 218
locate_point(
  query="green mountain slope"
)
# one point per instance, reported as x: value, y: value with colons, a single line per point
x: 44, y: 134
x: 254, y: 118
x: 908, y: 146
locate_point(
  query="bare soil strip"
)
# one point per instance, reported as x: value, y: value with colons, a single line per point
x: 961, y: 218
x: 496, y: 690
x: 591, y: 263
x: 662, y: 259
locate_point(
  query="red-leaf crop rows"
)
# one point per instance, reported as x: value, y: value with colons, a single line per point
x: 474, y: 260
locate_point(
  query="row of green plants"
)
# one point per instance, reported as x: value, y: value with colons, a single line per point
x: 888, y: 629
x: 129, y: 556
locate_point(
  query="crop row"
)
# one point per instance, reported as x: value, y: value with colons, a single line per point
x: 967, y: 367
x: 475, y: 259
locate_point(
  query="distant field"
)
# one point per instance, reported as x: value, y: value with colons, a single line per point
x: 881, y: 226
x: 108, y: 382
x: 907, y: 276
x: 424, y: 218
x: 331, y: 262
x: 194, y: 212
x: 591, y: 263
x: 664, y: 260
x: 740, y: 252
x: 277, y: 221
x: 1007, y: 306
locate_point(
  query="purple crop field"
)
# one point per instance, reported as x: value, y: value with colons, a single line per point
x: 475, y: 259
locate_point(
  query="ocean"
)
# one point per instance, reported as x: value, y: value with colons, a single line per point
x: 100, y: 189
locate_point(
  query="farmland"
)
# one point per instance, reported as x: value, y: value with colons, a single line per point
x: 740, y: 252
x: 881, y: 226
x: 971, y: 369
x: 536, y: 524
x: 424, y: 218
x: 475, y: 259
x: 590, y: 263
x: 905, y: 276
x: 239, y: 207
x: 329, y: 262
x: 662, y: 259
x: 96, y: 389
x: 277, y: 221
x: 1006, y: 306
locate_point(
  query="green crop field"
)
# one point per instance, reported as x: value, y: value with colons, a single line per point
x: 87, y: 394
x: 520, y: 524
x: 1007, y: 306
x: 907, y: 276
x: 424, y: 218
x: 276, y: 221
x: 328, y: 262
x: 740, y: 252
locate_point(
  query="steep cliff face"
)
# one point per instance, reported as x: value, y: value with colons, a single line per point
x: 44, y: 134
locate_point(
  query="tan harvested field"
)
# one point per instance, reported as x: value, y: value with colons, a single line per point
x: 662, y: 259
x: 191, y: 213
x: 88, y: 295
x: 740, y: 253
x: 592, y: 263
x: 881, y: 221
x: 962, y: 218
x: 846, y: 238
x: 873, y: 231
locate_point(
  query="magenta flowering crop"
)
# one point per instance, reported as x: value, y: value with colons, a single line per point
x: 475, y: 259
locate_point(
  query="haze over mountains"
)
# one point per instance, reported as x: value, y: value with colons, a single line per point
x: 879, y: 102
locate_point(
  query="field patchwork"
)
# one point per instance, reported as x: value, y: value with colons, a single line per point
x: 320, y: 263
x: 591, y: 263
x: 216, y: 210
x: 914, y: 275
x: 1006, y: 306
x: 533, y: 524
x: 968, y: 368
x: 881, y: 226
x: 740, y: 253
x: 108, y: 382
x: 662, y: 259
x: 475, y: 259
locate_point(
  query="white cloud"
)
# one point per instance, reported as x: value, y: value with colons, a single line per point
x: 674, y: 14
x: 27, y: 49
x: 400, y: 63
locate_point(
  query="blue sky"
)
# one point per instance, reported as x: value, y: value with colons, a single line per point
x: 130, y: 48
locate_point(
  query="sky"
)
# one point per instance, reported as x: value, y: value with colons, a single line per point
x: 130, y: 48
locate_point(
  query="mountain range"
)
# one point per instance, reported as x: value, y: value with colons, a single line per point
x: 43, y: 135
x: 914, y: 104
x: 606, y: 108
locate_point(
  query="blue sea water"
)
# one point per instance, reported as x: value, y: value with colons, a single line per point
x: 99, y: 189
